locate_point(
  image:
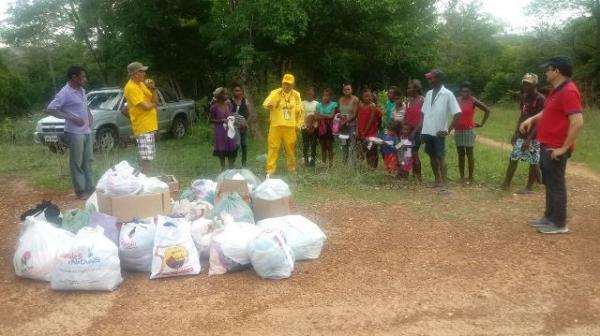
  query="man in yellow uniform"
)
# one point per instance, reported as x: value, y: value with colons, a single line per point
x: 142, y: 101
x: 286, y: 117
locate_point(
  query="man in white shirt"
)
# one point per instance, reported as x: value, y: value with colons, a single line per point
x: 438, y: 105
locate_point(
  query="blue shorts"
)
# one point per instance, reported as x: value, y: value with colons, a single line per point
x: 434, y: 145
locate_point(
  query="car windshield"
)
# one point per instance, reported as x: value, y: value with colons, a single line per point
x: 103, y: 100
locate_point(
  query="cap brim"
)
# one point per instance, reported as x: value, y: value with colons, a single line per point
x: 144, y: 68
x: 287, y: 82
x: 545, y: 65
x: 528, y: 81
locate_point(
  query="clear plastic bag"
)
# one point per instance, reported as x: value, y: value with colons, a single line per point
x: 271, y: 256
x: 303, y: 236
x: 38, y: 249
x: 272, y: 189
x: 232, y: 208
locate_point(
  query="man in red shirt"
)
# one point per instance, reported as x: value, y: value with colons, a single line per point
x: 558, y: 126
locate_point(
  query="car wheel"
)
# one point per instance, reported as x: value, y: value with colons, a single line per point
x: 106, y: 139
x: 179, y: 128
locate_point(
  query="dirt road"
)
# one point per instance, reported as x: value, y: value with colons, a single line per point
x: 466, y: 264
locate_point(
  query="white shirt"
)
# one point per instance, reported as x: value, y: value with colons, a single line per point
x: 435, y: 115
x: 309, y: 107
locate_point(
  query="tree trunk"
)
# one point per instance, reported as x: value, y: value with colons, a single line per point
x: 51, y: 70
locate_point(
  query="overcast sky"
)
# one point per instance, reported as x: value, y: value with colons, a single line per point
x: 509, y: 11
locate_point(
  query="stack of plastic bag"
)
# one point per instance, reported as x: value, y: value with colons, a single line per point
x: 174, y: 251
x: 202, y: 229
x: 232, y: 208
x: 272, y: 189
x: 191, y: 210
x: 106, y: 222
x: 91, y: 263
x: 271, y: 256
x: 228, y: 248
x: 75, y: 219
x: 38, y: 249
x: 240, y: 175
x: 136, y: 243
x: 303, y: 236
x: 205, y: 190
x: 122, y: 168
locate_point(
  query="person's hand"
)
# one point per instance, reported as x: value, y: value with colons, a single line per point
x: 270, y: 107
x: 150, y: 84
x: 525, y: 126
x: 478, y: 125
x: 77, y: 121
x: 556, y: 153
x: 442, y: 134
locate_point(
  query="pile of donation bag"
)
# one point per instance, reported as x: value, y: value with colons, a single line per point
x: 132, y: 223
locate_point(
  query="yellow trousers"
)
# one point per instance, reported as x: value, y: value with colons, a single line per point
x: 278, y: 135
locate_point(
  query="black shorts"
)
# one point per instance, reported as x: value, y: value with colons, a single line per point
x: 434, y: 145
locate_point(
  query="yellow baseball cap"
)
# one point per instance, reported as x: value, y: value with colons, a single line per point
x: 288, y: 78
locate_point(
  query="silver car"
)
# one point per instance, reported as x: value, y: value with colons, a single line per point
x: 110, y: 126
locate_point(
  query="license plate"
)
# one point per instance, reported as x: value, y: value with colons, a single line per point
x: 50, y: 138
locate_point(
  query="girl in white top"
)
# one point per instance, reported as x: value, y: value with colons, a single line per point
x: 309, y: 134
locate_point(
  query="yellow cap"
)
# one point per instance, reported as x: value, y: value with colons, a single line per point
x: 288, y: 78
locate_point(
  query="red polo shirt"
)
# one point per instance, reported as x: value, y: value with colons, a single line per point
x: 553, y: 126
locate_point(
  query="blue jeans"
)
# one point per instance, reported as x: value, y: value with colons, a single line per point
x: 81, y: 156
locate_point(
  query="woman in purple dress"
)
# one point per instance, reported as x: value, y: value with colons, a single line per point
x: 221, y: 116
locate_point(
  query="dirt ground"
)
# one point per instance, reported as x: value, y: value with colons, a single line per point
x: 465, y: 264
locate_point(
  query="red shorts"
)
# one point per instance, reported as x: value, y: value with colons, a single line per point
x: 391, y: 162
x: 407, y: 165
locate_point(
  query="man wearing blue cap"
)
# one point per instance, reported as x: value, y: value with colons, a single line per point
x: 558, y: 127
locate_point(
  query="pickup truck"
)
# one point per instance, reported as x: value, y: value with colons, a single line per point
x: 110, y: 127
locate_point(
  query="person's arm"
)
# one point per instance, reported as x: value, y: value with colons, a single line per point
x: 269, y: 102
x: 486, y: 110
x: 299, y: 112
x: 55, y: 109
x: 354, y: 113
x: 528, y: 124
x: 456, y: 112
x: 575, y: 127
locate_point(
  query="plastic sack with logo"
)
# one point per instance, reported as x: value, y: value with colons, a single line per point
x: 232, y: 208
x: 228, y: 248
x: 108, y: 223
x: 240, y: 174
x: 38, y: 249
x: 174, y: 251
x: 204, y: 189
x: 271, y: 256
x: 91, y: 263
x: 303, y: 236
x: 75, y: 219
x: 272, y: 189
x: 136, y: 243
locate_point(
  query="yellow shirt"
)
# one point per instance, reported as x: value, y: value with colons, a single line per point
x: 287, y: 108
x: 142, y: 121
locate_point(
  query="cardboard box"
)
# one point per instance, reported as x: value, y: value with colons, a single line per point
x: 125, y: 208
x: 269, y: 209
x: 227, y: 186
x: 173, y: 185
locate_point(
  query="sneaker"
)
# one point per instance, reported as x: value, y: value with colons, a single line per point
x: 543, y: 221
x: 553, y: 229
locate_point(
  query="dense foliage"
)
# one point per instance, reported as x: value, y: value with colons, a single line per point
x: 193, y: 46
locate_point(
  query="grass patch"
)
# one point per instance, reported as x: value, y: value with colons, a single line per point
x: 503, y: 121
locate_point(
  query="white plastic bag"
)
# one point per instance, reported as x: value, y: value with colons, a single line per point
x: 38, y: 249
x: 153, y: 185
x: 200, y: 228
x: 271, y: 256
x: 136, y: 243
x: 272, y: 189
x: 122, y: 184
x: 303, y: 236
x: 122, y: 167
x: 91, y: 204
x: 91, y: 263
x: 228, y: 248
x: 174, y: 251
x: 240, y: 174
